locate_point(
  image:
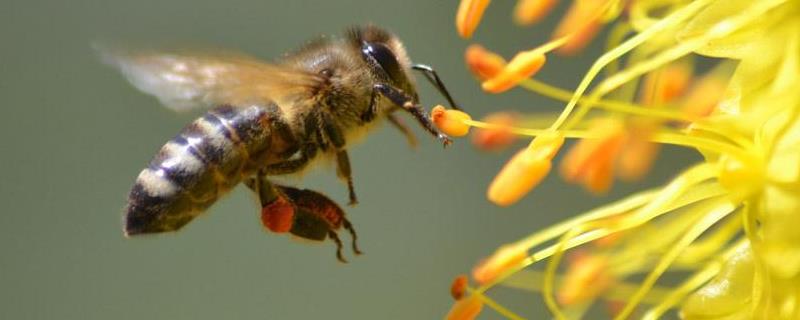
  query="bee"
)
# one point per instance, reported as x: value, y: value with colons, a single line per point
x: 266, y: 120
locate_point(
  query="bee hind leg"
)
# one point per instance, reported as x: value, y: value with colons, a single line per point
x: 304, y: 213
x: 277, y: 212
x: 349, y: 227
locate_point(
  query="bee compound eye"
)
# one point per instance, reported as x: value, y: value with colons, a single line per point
x: 383, y: 56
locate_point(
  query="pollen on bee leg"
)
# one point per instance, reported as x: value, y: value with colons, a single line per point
x: 483, y: 63
x: 465, y: 309
x: 525, y: 170
x: 524, y: 65
x: 450, y: 121
x: 278, y: 216
x: 499, y: 137
x: 531, y: 11
x: 459, y: 287
x: 504, y: 258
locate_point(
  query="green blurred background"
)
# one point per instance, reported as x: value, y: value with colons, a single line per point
x: 75, y: 135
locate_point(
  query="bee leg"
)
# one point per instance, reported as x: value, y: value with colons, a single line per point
x: 277, y: 212
x: 335, y: 237
x: 405, y: 130
x: 343, y: 171
x: 434, y: 79
x: 372, y: 110
x: 406, y: 102
x: 333, y: 133
x: 293, y: 165
x: 317, y: 217
x: 349, y: 227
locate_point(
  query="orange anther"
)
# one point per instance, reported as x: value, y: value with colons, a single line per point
x: 524, y: 65
x: 591, y: 161
x: 465, y: 309
x: 451, y: 122
x: 586, y: 277
x: 459, y: 287
x: 531, y: 11
x: 638, y: 153
x: 665, y: 85
x: 503, y: 259
x: 581, y: 24
x: 469, y: 16
x: 483, y: 63
x: 498, y: 137
x: 704, y: 96
x: 524, y: 171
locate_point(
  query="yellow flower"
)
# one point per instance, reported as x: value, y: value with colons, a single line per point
x: 730, y: 221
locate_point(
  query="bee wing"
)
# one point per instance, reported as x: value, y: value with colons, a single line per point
x: 183, y: 81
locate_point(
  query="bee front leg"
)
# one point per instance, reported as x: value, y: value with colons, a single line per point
x: 401, y: 99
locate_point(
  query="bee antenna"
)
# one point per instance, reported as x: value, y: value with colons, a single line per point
x: 434, y: 79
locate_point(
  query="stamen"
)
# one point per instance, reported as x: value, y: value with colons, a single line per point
x: 459, y: 287
x: 524, y: 65
x: 469, y: 16
x: 591, y: 161
x: 499, y: 137
x: 483, y: 63
x: 680, y: 50
x: 503, y: 259
x: 531, y: 11
x: 465, y: 309
x: 581, y: 24
x: 673, y: 19
x: 524, y: 171
x: 451, y: 122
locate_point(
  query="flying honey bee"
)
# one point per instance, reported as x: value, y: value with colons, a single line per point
x: 269, y: 119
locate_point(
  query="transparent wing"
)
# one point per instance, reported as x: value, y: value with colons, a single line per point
x: 185, y: 80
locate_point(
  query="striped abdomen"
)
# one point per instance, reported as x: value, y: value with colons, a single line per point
x: 203, y: 162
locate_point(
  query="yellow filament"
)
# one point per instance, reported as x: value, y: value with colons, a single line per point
x: 665, y: 137
x: 704, y: 248
x: 671, y: 54
x: 671, y: 20
x: 611, y: 105
x: 497, y: 307
x: 533, y: 280
x: 717, y: 210
x: 618, y: 33
x: 695, y: 281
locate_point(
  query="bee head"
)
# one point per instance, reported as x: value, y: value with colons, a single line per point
x: 385, y: 55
